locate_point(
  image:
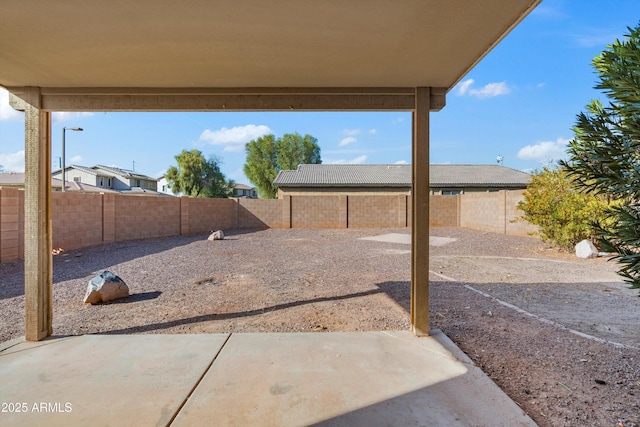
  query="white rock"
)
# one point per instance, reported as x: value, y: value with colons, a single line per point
x: 105, y: 287
x: 216, y: 235
x: 586, y: 249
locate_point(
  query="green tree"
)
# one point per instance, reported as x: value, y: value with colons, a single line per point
x: 196, y: 176
x: 564, y: 215
x: 268, y: 155
x: 604, y: 154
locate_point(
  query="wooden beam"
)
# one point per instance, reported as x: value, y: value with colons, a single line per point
x: 232, y: 99
x: 38, y: 262
x: 228, y: 102
x: 420, y: 215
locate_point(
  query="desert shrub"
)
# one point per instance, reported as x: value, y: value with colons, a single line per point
x: 563, y: 214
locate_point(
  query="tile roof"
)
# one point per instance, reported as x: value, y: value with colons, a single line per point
x: 400, y: 176
x: 476, y: 175
x: 345, y: 176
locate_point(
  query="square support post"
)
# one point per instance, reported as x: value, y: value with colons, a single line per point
x: 38, y: 261
x: 420, y: 214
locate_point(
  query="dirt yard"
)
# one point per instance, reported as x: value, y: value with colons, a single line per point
x: 560, y: 336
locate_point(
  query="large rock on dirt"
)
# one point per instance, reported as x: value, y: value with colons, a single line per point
x: 216, y: 235
x: 105, y: 287
x: 586, y: 249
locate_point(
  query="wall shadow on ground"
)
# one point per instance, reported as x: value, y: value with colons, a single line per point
x: 86, y: 261
x: 224, y: 316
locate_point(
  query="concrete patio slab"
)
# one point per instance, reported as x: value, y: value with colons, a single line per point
x: 274, y: 379
x: 347, y: 379
x: 405, y: 239
x: 102, y: 380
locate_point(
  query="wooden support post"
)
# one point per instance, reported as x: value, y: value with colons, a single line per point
x: 420, y: 215
x: 38, y: 261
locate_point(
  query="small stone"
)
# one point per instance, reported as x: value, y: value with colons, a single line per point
x: 602, y: 382
x: 216, y: 235
x: 105, y: 287
x: 585, y: 249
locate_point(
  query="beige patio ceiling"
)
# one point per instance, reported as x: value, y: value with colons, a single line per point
x: 248, y: 43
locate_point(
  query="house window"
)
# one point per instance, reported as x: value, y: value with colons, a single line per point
x: 136, y: 183
x: 109, y: 182
x: 77, y: 179
x: 451, y: 192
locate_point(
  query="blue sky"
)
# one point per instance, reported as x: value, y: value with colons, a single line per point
x: 519, y: 102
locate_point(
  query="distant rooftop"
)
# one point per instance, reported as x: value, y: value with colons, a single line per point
x: 400, y: 176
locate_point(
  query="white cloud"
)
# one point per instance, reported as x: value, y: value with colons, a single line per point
x: 12, y: 162
x: 63, y: 116
x: 6, y: 112
x: 401, y: 162
x: 488, y: 91
x: 544, y: 151
x: 348, y: 140
x: 352, y: 132
x: 397, y: 120
x: 358, y: 160
x: 76, y: 159
x: 234, y: 139
x: 463, y: 88
x: 373, y: 131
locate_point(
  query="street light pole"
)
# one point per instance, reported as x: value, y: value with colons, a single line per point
x: 64, y: 172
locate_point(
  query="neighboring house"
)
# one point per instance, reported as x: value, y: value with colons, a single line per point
x: 396, y: 179
x: 85, y: 175
x: 16, y: 180
x: 109, y: 178
x: 165, y: 188
x: 242, y: 190
x: 460, y: 179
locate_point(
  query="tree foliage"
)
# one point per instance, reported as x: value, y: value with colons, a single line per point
x: 268, y: 155
x: 604, y: 154
x: 196, y: 176
x: 563, y: 214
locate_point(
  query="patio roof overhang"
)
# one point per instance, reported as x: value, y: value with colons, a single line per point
x: 95, y: 56
x: 240, y: 55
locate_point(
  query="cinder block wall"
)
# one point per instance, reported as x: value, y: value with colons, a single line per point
x: 444, y: 211
x: 374, y: 211
x: 260, y: 213
x: 82, y: 219
x: 496, y: 212
x: 78, y: 219
x: 139, y: 217
x: 483, y: 211
x: 315, y: 212
x: 207, y: 215
x: 514, y: 225
x: 11, y: 224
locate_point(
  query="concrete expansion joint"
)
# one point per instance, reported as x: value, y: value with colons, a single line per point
x: 535, y: 316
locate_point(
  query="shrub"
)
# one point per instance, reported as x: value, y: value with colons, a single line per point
x: 563, y: 214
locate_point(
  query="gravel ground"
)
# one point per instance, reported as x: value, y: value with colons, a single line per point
x: 560, y: 336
